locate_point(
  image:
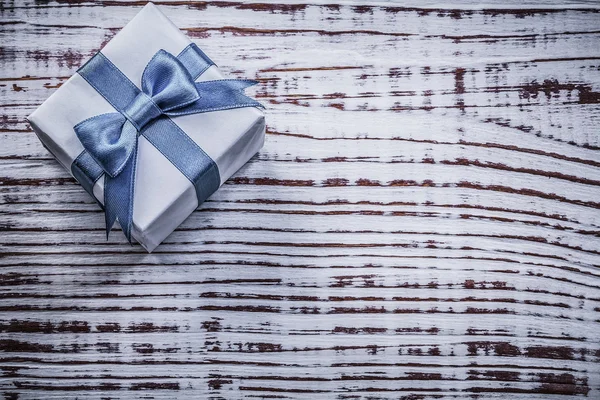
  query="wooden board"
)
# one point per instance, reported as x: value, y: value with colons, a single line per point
x: 423, y: 221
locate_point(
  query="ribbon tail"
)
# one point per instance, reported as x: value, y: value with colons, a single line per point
x: 118, y: 197
x: 110, y: 215
x: 224, y: 94
x: 228, y: 93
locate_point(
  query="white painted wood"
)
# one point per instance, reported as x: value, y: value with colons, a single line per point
x: 422, y: 222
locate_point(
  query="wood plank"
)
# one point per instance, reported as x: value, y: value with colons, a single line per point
x: 422, y: 222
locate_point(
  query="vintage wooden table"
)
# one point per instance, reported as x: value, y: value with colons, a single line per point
x: 423, y: 221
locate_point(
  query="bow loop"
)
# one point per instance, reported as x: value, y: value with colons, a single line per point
x: 110, y: 139
x: 168, y: 82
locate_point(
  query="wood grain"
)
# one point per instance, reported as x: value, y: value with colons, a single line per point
x: 422, y: 223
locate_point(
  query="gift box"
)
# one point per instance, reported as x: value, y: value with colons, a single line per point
x: 150, y: 127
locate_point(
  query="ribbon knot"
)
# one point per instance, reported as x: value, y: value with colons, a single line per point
x: 168, y: 90
x: 141, y: 111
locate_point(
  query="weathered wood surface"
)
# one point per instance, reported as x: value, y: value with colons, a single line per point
x: 423, y: 221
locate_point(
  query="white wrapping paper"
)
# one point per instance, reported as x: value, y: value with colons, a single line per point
x: 164, y: 198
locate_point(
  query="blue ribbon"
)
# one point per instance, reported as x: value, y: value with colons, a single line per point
x: 168, y: 90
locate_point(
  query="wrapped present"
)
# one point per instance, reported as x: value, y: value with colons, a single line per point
x: 150, y: 127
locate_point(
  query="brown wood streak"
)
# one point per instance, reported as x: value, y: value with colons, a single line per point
x: 422, y: 223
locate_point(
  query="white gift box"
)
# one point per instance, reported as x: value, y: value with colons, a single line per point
x: 164, y: 197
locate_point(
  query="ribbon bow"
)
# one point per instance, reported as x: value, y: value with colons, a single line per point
x: 168, y: 90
